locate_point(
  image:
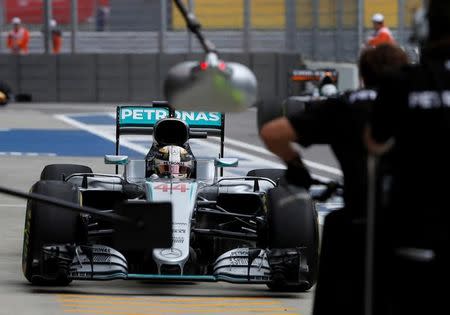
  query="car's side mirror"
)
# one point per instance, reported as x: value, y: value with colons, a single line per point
x: 223, y: 162
x: 226, y: 162
x: 116, y: 159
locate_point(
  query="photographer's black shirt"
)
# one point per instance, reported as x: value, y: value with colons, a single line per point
x: 413, y: 108
x: 340, y: 122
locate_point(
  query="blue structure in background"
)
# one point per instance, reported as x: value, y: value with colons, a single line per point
x: 58, y: 142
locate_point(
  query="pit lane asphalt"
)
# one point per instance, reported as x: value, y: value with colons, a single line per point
x: 118, y: 297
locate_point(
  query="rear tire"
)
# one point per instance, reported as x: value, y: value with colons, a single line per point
x: 45, y: 224
x: 292, y: 105
x: 58, y: 171
x: 275, y: 108
x: 268, y: 110
x: 275, y: 174
x: 291, y: 226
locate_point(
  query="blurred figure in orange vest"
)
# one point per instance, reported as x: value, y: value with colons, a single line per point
x: 18, y: 38
x: 56, y: 37
x: 382, y: 34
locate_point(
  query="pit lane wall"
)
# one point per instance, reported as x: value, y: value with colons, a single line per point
x: 125, y: 77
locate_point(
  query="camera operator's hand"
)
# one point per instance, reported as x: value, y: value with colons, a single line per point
x: 297, y: 174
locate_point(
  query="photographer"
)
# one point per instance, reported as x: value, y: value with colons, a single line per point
x: 339, y: 122
x: 412, y: 115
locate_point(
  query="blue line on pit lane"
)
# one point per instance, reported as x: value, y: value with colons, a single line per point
x: 60, y: 142
x: 95, y: 119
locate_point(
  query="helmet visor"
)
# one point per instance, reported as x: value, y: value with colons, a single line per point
x: 175, y: 169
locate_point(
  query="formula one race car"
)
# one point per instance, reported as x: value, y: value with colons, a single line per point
x: 304, y: 86
x: 250, y: 229
x: 312, y: 83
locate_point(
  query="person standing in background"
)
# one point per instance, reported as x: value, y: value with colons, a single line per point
x: 18, y: 37
x: 382, y: 34
x: 57, y: 39
x: 101, y: 17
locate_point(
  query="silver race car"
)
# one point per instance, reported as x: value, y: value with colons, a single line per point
x: 250, y: 229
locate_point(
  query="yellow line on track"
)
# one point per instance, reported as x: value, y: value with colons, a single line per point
x: 181, y: 299
x: 176, y: 307
x: 166, y: 311
x: 156, y: 303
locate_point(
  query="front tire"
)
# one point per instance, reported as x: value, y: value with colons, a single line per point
x: 293, y: 225
x: 46, y: 224
x: 293, y: 105
x: 268, y: 110
x: 297, y: 288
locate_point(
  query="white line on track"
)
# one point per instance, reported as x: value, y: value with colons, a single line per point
x: 12, y: 205
x: 311, y: 164
x: 102, y: 134
x: 252, y: 147
x: 143, y: 150
x: 92, y: 114
x: 26, y: 154
x: 229, y: 152
x: 257, y: 160
x: 55, y: 106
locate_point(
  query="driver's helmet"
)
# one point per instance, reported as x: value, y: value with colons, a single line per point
x: 328, y: 90
x: 173, y: 161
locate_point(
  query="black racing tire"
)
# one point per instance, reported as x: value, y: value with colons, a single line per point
x: 58, y: 171
x: 45, y: 224
x: 275, y: 174
x: 275, y: 108
x: 294, y: 225
x: 292, y: 105
x: 297, y: 288
x: 268, y: 110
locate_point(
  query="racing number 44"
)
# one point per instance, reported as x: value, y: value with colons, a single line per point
x: 166, y: 187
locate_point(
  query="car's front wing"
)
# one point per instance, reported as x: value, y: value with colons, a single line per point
x: 98, y: 262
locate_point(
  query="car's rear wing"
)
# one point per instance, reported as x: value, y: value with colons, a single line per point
x: 140, y: 120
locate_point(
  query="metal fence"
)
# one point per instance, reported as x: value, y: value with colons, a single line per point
x: 327, y: 30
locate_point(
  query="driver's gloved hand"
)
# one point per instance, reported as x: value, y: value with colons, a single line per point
x: 297, y: 174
